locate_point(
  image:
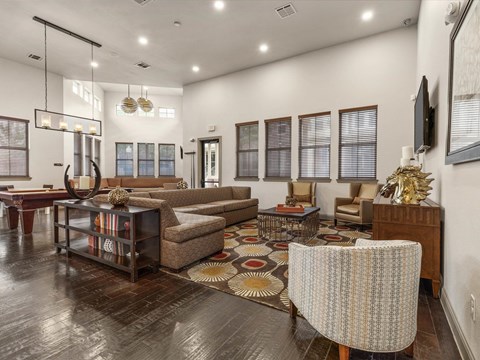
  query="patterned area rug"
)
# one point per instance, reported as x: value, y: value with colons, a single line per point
x: 257, y: 269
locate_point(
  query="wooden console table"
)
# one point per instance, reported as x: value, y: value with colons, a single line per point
x: 419, y: 223
x: 141, y: 238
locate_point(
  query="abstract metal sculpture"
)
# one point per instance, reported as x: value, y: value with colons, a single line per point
x: 92, y: 193
x: 408, y: 184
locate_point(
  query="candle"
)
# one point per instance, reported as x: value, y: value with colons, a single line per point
x: 404, y: 162
x: 63, y: 125
x: 407, y: 152
x: 93, y: 130
x: 84, y: 182
x: 46, y: 121
x: 78, y: 128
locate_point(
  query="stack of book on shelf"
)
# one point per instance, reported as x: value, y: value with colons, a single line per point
x: 113, y: 225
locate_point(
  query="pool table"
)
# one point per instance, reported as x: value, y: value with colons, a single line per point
x: 22, y: 203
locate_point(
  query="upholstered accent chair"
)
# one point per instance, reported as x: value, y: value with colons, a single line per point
x: 303, y: 192
x: 363, y: 296
x: 358, y: 207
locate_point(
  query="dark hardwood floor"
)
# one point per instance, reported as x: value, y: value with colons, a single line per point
x: 52, y: 307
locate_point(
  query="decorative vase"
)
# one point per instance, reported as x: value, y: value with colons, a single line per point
x: 108, y: 246
x: 118, y: 196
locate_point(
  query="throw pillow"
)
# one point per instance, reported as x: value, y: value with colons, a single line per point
x: 302, y: 198
x: 182, y: 185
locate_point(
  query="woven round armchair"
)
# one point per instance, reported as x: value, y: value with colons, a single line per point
x: 363, y: 296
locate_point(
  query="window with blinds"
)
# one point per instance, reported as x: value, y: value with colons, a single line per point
x: 278, y: 148
x: 247, y: 150
x: 166, y: 162
x: 146, y: 159
x: 358, y: 144
x: 13, y: 147
x: 124, y: 159
x: 88, y: 156
x: 465, y: 122
x: 314, y: 146
x: 77, y: 154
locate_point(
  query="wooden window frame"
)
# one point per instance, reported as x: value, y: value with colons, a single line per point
x: 160, y: 160
x: 356, y: 179
x: 238, y: 152
x: 277, y: 178
x: 300, y: 147
x: 26, y: 149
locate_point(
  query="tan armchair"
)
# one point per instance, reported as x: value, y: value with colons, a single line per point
x: 358, y: 207
x: 303, y: 192
x: 363, y: 297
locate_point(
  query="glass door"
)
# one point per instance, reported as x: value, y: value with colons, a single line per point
x: 210, y: 163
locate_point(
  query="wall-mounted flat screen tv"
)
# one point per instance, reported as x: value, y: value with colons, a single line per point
x: 423, y: 123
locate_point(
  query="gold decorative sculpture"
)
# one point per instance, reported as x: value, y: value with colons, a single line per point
x: 408, y: 184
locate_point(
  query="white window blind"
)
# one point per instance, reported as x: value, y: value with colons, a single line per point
x: 465, y: 122
x: 13, y: 147
x: 278, y: 152
x: 146, y: 159
x: 247, y: 150
x: 166, y: 155
x: 314, y: 146
x: 124, y: 159
x: 358, y: 144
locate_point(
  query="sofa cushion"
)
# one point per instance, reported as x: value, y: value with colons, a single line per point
x: 178, y: 198
x: 352, y: 209
x: 301, y: 188
x: 231, y: 205
x: 367, y: 191
x: 112, y: 182
x: 202, y: 209
x: 193, y: 226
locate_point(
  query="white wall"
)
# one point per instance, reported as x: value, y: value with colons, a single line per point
x: 455, y: 186
x: 22, y: 91
x: 142, y: 129
x: 375, y: 70
x: 74, y: 104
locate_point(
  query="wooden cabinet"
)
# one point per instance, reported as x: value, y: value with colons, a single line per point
x: 137, y: 244
x: 419, y: 223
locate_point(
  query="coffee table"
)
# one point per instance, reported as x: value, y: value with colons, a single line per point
x: 283, y: 226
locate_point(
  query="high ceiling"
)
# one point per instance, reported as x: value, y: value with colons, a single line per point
x: 219, y: 42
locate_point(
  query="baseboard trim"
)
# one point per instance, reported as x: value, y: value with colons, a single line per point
x: 458, y: 336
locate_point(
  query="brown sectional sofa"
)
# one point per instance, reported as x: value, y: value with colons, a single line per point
x: 192, y: 221
x: 139, y: 183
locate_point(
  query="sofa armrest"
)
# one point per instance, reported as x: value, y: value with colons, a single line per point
x: 342, y: 201
x: 241, y: 192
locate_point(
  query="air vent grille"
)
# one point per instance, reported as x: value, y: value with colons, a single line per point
x: 285, y: 11
x: 35, y: 57
x: 142, y: 2
x: 143, y: 65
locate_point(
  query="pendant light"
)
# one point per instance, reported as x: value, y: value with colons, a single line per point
x: 129, y: 105
x: 141, y: 101
x: 146, y: 104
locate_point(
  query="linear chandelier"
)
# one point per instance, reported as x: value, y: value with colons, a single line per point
x: 50, y: 120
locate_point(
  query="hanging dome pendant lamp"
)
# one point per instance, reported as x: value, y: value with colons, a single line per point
x: 129, y: 105
x: 145, y: 104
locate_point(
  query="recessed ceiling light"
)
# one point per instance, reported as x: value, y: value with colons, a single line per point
x: 367, y: 15
x: 177, y: 23
x: 143, y: 40
x: 263, y: 48
x: 145, y: 87
x: 219, y: 5
x: 195, y: 68
x: 94, y: 64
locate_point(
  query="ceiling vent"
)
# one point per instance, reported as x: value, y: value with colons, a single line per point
x: 35, y: 57
x: 285, y: 11
x: 142, y: 2
x: 143, y: 65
